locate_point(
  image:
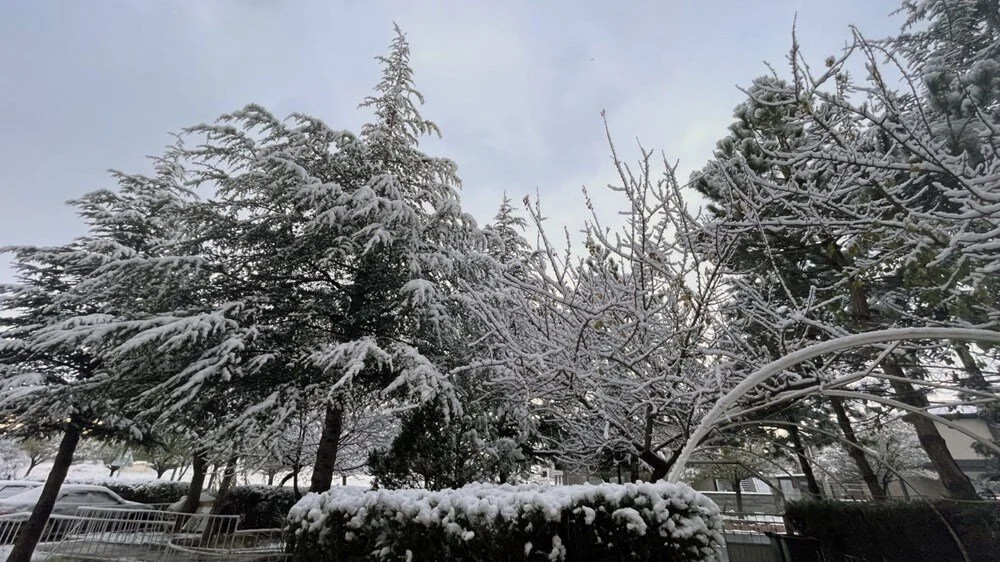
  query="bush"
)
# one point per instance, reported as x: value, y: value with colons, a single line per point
x: 259, y: 507
x: 904, y: 531
x: 607, y: 522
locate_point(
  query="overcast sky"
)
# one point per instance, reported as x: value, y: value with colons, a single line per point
x: 516, y: 87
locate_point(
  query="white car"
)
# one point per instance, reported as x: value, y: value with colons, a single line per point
x: 71, y: 496
x: 10, y: 488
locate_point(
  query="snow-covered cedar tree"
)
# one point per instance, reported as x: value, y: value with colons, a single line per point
x: 318, y: 266
x: 312, y: 265
x: 62, y: 369
x: 434, y: 452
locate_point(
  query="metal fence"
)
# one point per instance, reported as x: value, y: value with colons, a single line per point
x: 747, y: 536
x: 97, y: 533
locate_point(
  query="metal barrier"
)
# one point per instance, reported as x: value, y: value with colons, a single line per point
x: 55, y: 528
x: 747, y: 536
x: 101, y: 533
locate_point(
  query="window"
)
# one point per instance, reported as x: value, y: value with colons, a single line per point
x: 73, y: 497
x: 8, y: 491
x: 89, y: 497
x: 98, y: 497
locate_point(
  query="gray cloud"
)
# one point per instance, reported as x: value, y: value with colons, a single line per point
x: 517, y: 87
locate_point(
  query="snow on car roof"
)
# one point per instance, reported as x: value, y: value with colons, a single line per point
x: 35, y: 493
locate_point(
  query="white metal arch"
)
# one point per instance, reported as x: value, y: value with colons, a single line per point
x: 839, y: 344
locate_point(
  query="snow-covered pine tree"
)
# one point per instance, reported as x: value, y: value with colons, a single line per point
x: 58, y: 369
x: 887, y: 193
x: 411, y: 244
x: 777, y: 260
x: 319, y: 265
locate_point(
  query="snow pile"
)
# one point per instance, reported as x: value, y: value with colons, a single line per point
x: 630, y: 521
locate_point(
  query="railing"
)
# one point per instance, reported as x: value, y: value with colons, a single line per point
x: 752, y: 524
x: 55, y: 527
x: 747, y: 536
x: 101, y: 533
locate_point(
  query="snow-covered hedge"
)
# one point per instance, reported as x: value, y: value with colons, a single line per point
x: 605, y: 522
x: 259, y: 507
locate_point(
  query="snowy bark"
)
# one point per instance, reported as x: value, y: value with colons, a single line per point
x: 855, y: 450
x: 31, y: 532
x: 954, y: 480
x: 199, y: 467
x: 812, y: 486
x: 326, y: 453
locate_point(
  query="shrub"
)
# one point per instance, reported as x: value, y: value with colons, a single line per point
x: 904, y: 531
x: 606, y: 522
x: 259, y: 507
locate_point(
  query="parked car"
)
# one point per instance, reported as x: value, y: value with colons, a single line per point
x: 14, y: 510
x: 71, y: 496
x: 10, y: 488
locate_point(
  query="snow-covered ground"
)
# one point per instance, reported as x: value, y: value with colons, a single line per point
x: 140, y: 472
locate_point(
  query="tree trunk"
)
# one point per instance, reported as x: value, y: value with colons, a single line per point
x: 270, y: 478
x: 906, y: 490
x: 660, y: 465
x: 160, y: 472
x: 215, y: 527
x: 287, y: 477
x: 855, y: 451
x: 343, y: 480
x: 952, y: 478
x: 199, y: 469
x: 633, y: 468
x: 812, y: 486
x: 228, y: 475
x: 32, y: 463
x: 213, y: 471
x: 32, y: 529
x: 974, y: 375
x: 326, y: 453
x: 739, y: 495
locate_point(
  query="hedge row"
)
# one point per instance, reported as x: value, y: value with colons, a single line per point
x: 260, y: 507
x: 903, y: 531
x: 607, y: 522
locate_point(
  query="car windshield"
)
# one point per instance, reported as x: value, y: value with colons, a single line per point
x: 29, y: 496
x: 72, y: 495
x: 13, y: 490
